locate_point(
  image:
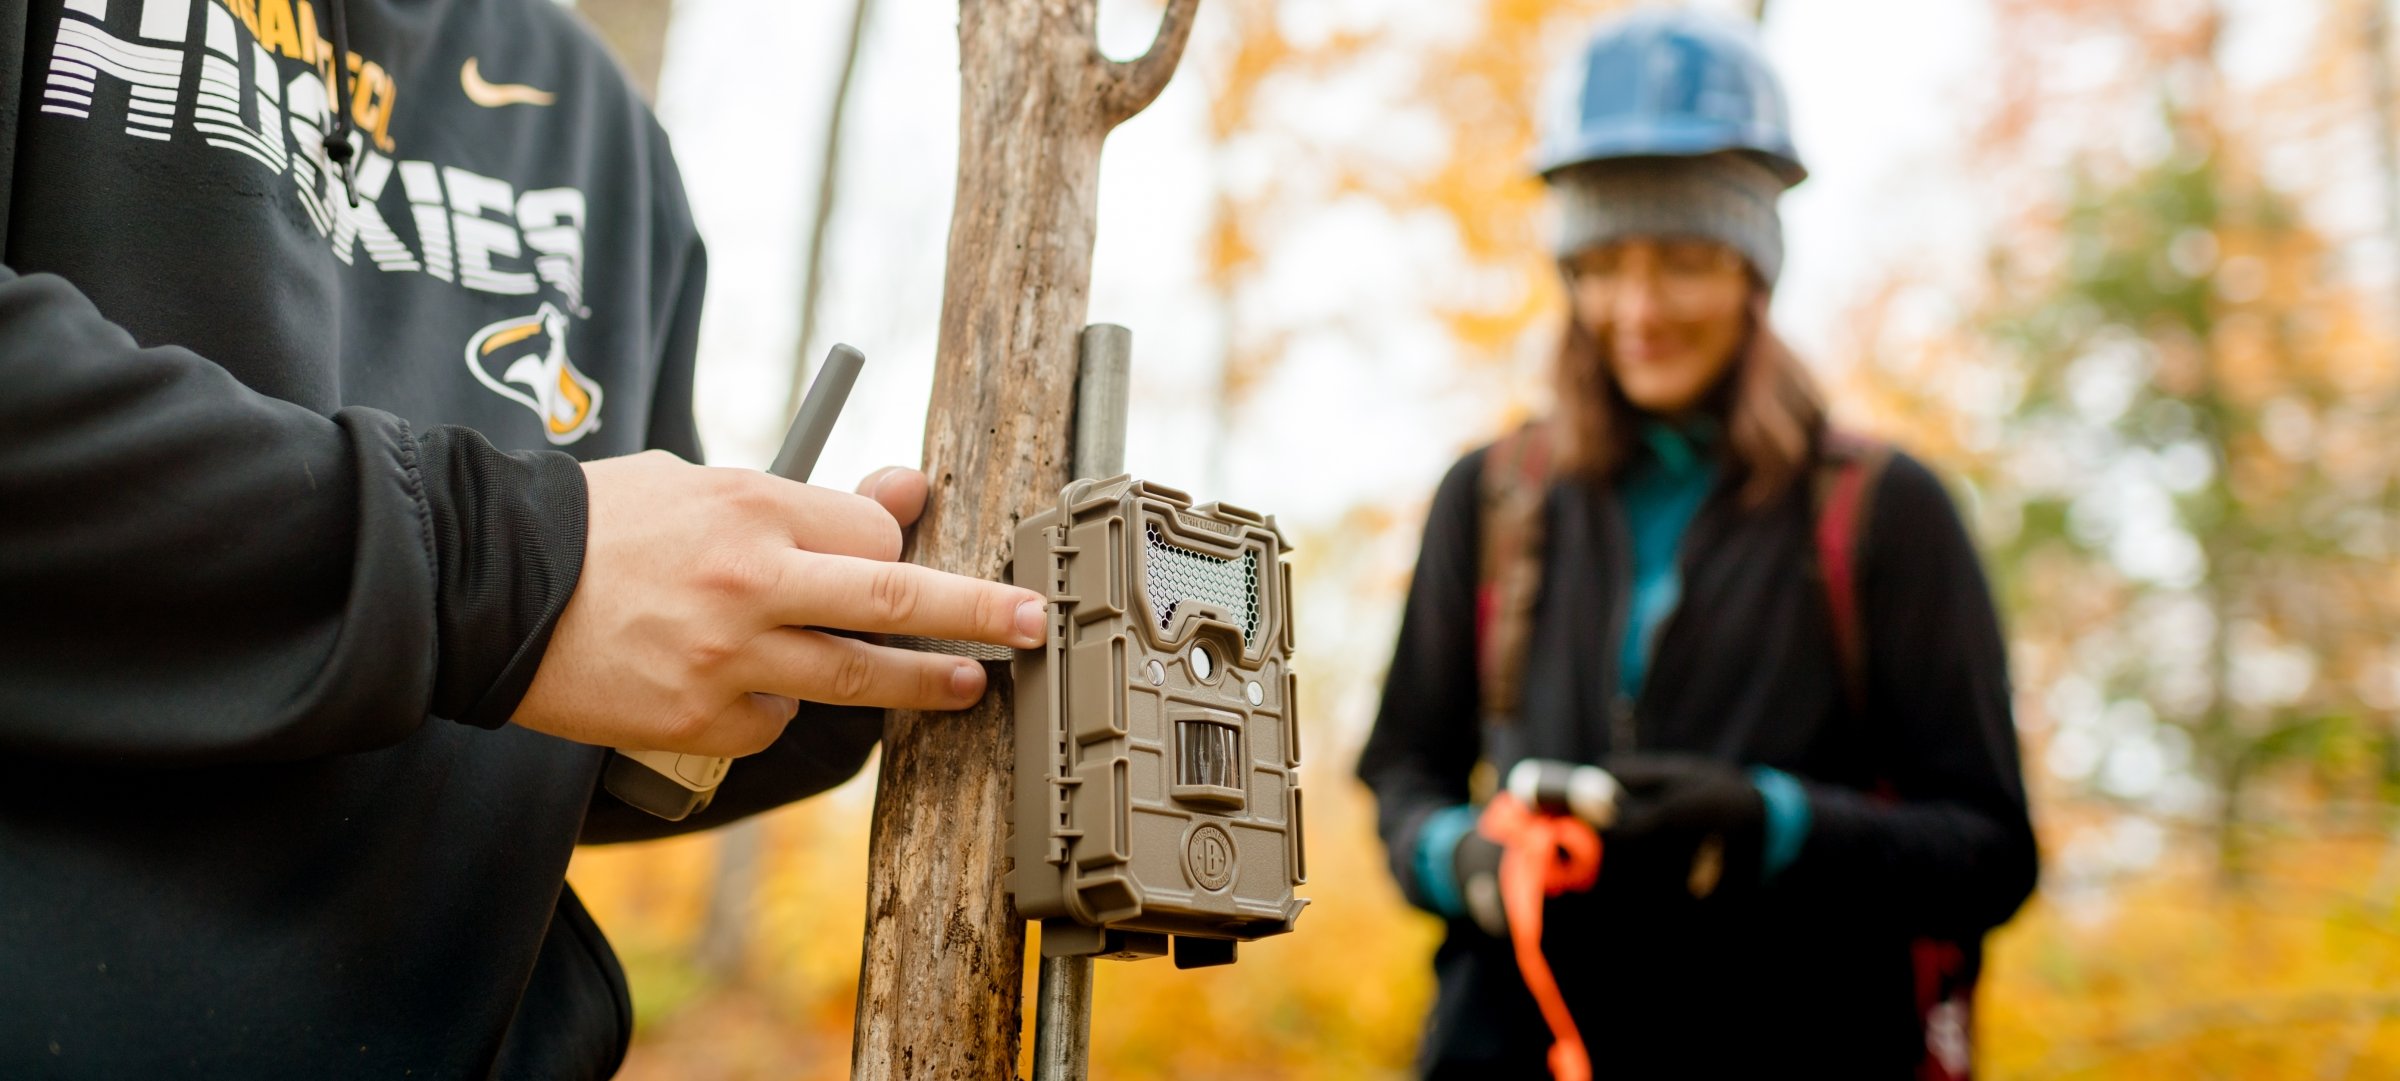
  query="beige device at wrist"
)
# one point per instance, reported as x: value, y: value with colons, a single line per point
x: 672, y: 786
x: 676, y: 786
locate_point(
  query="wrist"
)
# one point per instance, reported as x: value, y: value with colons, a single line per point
x: 507, y: 535
x: 1788, y: 819
x: 1436, y: 856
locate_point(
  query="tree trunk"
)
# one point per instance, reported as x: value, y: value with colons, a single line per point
x: 732, y: 906
x: 2376, y: 42
x: 829, y: 177
x: 637, y: 31
x: 943, y: 967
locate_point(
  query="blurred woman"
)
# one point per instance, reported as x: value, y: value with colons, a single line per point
x: 1775, y: 641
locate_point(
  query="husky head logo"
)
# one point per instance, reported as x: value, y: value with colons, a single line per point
x: 530, y: 352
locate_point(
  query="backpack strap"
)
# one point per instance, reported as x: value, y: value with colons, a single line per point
x: 1843, y: 492
x: 1514, y: 488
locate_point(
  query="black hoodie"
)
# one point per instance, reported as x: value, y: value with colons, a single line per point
x: 289, y: 503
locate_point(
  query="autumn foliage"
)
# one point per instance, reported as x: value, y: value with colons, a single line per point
x: 2167, y: 391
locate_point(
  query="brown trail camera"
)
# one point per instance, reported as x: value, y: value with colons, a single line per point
x: 1158, y: 757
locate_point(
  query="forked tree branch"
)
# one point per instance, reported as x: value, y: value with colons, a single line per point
x: 1129, y: 86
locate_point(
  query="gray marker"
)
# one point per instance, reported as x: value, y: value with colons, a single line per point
x: 806, y: 440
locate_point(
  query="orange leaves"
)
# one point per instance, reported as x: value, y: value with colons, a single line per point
x: 2197, y: 370
x: 1484, y: 89
x: 1453, y: 113
x: 2178, y: 975
x: 787, y: 1012
x: 1342, y: 998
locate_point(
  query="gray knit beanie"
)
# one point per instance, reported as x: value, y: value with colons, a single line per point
x: 1726, y: 197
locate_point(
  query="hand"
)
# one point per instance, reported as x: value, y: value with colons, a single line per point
x: 1553, y: 786
x: 689, y: 628
x: 1686, y: 826
x: 1476, y: 865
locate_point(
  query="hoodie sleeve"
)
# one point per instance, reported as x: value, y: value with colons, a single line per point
x: 192, y: 572
x: 1948, y: 849
x: 1427, y: 733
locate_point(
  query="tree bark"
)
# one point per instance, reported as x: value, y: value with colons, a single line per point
x: 942, y: 973
x: 637, y: 31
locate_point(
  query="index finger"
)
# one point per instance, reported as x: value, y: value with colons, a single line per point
x: 818, y: 590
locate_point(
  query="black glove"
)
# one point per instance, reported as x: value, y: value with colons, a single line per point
x: 1687, y: 827
x: 1476, y: 865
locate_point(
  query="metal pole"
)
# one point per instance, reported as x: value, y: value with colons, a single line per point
x: 1062, y: 1020
x: 1103, y: 385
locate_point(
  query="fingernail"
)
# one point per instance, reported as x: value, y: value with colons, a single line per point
x: 1032, y: 618
x: 880, y: 478
x: 966, y: 681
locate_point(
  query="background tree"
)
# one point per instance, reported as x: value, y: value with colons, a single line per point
x: 2168, y: 395
x: 636, y: 30
x: 725, y: 939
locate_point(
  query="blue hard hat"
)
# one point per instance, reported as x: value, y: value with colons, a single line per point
x: 1669, y: 83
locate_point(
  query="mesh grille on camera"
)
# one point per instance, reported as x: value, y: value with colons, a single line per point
x: 1180, y: 574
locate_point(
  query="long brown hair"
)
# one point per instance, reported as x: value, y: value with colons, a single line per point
x: 1771, y: 408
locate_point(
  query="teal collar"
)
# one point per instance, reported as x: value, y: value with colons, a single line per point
x: 1682, y: 447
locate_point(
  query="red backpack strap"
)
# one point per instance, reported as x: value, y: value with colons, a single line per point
x: 1843, y: 490
x: 1514, y: 488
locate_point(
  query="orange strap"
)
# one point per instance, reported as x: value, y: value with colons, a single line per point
x: 1542, y: 856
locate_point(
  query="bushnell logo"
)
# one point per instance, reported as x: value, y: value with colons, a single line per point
x: 1209, y: 854
x: 530, y: 352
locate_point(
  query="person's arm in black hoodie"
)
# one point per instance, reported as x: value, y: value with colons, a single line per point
x: 1427, y: 733
x: 192, y: 572
x: 1949, y: 850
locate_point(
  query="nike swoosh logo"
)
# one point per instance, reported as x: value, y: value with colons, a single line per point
x: 495, y: 95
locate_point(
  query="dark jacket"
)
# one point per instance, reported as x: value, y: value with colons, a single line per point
x: 1812, y: 974
x: 289, y: 502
